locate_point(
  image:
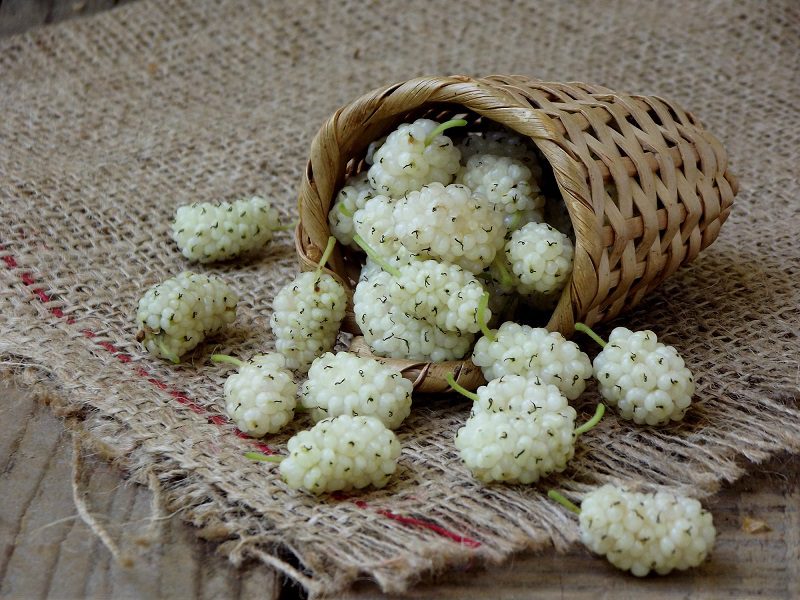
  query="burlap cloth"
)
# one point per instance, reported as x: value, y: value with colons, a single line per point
x: 107, y: 124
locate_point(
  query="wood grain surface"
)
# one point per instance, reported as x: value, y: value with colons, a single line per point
x: 17, y: 16
x: 46, y: 550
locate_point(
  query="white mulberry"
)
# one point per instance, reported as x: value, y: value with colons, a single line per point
x: 346, y: 384
x: 518, y: 395
x: 341, y: 453
x: 407, y: 160
x: 260, y: 398
x: 506, y: 182
x: 374, y: 223
x: 306, y: 315
x: 500, y: 143
x: 207, y: 232
x: 639, y: 532
x: 646, y: 380
x: 352, y: 197
x: 450, y: 224
x: 175, y: 315
x: 518, y: 448
x: 441, y: 293
x: 391, y: 332
x: 524, y: 350
x: 540, y: 257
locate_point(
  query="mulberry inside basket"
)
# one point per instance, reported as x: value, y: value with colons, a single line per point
x: 346, y: 263
x: 351, y: 260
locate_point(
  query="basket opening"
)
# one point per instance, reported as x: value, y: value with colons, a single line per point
x: 556, y: 207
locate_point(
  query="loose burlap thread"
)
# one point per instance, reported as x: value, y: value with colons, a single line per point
x: 108, y: 124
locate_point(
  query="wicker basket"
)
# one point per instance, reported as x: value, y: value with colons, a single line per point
x: 673, y: 187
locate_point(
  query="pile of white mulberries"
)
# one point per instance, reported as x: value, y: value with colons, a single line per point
x: 438, y: 198
x: 456, y: 233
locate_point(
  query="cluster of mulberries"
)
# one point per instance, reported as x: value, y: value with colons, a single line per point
x: 207, y: 232
x: 261, y: 397
x: 646, y: 380
x: 432, y: 244
x: 412, y: 214
x: 175, y: 315
x: 341, y: 453
x: 640, y: 533
x: 520, y: 429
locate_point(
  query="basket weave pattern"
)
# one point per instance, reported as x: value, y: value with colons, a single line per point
x: 672, y: 186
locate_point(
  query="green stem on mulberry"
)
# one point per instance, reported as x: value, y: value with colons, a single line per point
x: 459, y: 388
x: 554, y: 495
x: 587, y: 330
x: 598, y: 414
x: 165, y: 352
x: 326, y: 254
x: 344, y: 211
x: 287, y: 227
x: 378, y: 260
x: 258, y: 456
x: 506, y: 279
x: 224, y: 358
x: 482, y: 306
x: 512, y: 225
x: 444, y: 127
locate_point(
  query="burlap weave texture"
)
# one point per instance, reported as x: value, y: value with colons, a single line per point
x: 108, y: 124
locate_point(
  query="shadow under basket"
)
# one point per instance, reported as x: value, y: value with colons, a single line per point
x: 673, y: 187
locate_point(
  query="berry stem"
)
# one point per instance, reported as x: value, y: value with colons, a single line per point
x: 224, y: 358
x: 460, y: 389
x: 326, y: 254
x: 598, y: 414
x: 287, y: 227
x: 554, y: 495
x: 515, y: 220
x: 344, y: 211
x: 506, y: 279
x: 444, y: 127
x: 168, y: 354
x: 375, y: 257
x: 587, y: 330
x: 258, y: 456
x: 482, y: 306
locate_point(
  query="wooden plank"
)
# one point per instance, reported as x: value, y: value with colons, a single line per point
x: 18, y: 15
x: 68, y: 9
x: 47, y: 551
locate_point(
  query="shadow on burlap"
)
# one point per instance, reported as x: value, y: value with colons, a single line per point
x: 110, y: 123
